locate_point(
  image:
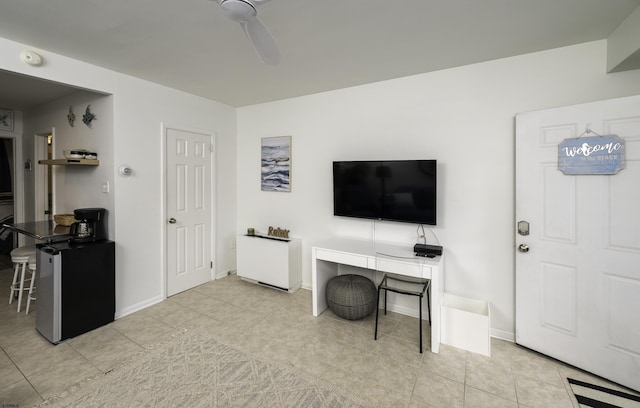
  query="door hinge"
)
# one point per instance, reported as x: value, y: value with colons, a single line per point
x: 211, y: 265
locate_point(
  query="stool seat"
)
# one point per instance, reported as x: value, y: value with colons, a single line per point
x: 23, y: 251
x: 20, y: 258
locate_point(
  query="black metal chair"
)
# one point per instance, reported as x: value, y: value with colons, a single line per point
x: 389, y: 283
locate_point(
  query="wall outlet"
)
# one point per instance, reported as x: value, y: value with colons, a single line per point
x: 233, y: 243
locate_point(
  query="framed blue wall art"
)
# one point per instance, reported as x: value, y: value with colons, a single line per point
x: 276, y: 163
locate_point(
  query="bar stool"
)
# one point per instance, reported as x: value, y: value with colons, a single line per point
x: 420, y: 286
x: 20, y: 258
x: 32, y: 288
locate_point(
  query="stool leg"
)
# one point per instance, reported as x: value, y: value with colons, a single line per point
x: 30, y: 294
x: 420, y: 302
x: 14, y: 282
x: 24, y: 270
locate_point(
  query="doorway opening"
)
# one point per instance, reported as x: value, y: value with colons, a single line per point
x: 7, y: 210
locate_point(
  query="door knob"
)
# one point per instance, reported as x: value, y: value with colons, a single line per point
x: 172, y: 220
x: 523, y: 248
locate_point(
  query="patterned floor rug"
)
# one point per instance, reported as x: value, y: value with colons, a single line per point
x: 591, y: 395
x: 195, y: 370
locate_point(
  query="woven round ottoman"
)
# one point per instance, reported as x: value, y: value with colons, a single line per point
x: 351, y: 297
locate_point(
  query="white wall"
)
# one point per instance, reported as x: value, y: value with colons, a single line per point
x: 463, y: 117
x: 138, y: 144
x: 139, y: 109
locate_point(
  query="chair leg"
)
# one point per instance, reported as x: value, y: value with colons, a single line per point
x: 385, y: 302
x: 420, y: 303
x: 375, y: 335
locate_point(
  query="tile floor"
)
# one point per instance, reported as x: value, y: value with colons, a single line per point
x: 279, y: 326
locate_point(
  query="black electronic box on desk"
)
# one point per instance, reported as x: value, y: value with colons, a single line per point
x: 429, y: 251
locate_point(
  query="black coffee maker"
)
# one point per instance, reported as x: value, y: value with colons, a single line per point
x: 90, y: 227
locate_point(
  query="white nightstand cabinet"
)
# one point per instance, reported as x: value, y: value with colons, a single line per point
x: 270, y: 261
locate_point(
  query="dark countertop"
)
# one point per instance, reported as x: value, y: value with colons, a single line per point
x: 46, y: 231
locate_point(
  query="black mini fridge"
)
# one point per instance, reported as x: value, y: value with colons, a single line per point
x: 75, y: 286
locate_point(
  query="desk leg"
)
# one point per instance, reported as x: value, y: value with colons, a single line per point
x: 437, y: 292
x: 321, y: 273
x: 435, y: 321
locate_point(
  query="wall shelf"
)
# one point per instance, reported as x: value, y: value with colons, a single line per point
x: 70, y: 162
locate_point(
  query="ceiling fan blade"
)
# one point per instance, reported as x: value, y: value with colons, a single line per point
x: 262, y: 40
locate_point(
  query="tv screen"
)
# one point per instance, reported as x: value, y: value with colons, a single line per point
x: 394, y: 190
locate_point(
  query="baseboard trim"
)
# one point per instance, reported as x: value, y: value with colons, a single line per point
x: 226, y: 273
x: 138, y: 306
x: 503, y: 335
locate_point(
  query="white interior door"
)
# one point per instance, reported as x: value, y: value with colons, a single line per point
x: 188, y: 208
x: 578, y: 286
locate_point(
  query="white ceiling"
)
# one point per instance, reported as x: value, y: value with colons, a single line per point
x: 325, y: 44
x: 19, y: 92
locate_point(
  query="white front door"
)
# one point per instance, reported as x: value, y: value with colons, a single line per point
x: 578, y: 286
x: 188, y: 209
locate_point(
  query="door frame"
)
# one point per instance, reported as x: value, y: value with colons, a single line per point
x: 164, y: 128
x: 40, y: 188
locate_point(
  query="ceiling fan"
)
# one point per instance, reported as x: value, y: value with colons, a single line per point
x: 245, y: 13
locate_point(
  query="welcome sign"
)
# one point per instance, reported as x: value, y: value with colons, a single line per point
x: 591, y: 155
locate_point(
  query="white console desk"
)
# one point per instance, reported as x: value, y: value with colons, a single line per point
x: 382, y: 257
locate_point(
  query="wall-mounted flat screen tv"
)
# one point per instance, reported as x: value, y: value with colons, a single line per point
x: 394, y: 190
